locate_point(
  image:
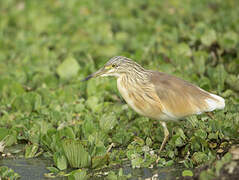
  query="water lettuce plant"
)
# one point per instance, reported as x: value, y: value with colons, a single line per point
x: 76, y: 154
x: 47, y: 47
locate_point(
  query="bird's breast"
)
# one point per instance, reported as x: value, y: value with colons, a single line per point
x: 129, y: 96
x: 143, y: 102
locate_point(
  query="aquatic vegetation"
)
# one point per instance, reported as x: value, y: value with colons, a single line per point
x: 47, y: 47
x: 7, y: 173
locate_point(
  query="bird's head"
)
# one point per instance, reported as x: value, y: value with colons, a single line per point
x: 116, y: 67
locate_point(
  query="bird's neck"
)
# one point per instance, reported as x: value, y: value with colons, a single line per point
x: 133, y: 77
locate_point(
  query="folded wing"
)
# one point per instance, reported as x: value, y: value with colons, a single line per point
x: 180, y: 98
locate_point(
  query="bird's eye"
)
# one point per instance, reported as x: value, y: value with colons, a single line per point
x: 113, y: 65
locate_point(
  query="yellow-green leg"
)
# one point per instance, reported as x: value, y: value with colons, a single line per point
x: 166, y: 136
x: 210, y: 114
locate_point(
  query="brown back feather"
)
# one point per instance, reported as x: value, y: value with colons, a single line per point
x: 179, y: 97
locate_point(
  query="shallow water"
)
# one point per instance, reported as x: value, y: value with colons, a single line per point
x: 35, y: 168
x: 28, y: 169
x: 165, y: 173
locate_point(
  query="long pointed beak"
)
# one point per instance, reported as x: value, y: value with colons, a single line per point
x: 97, y: 73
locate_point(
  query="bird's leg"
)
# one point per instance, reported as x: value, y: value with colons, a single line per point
x: 166, y: 135
x: 210, y: 114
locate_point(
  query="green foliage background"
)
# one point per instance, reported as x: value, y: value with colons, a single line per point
x: 47, y: 47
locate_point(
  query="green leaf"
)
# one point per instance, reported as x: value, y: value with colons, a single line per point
x: 199, y: 158
x: 137, y: 161
x: 148, y: 141
x: 229, y: 40
x: 93, y: 103
x: 213, y: 136
x: 139, y: 141
x: 76, y: 154
x: 169, y: 163
x: 67, y: 132
x: 207, y: 175
x: 3, y: 133
x: 201, y: 134
x: 60, y: 161
x: 183, y: 50
x: 89, y: 127
x: 107, y: 51
x: 177, y: 141
x: 9, y: 137
x: 99, y: 161
x: 221, y: 77
x: 180, y: 132
x: 68, y: 68
x: 209, y: 37
x: 10, y: 88
x: 112, y: 176
x: 31, y: 150
x: 53, y: 169
x: 100, y: 149
x: 200, y: 58
x: 187, y: 173
x: 28, y: 102
x: 107, y: 122
x: 233, y: 82
x: 7, y: 173
x: 78, y: 174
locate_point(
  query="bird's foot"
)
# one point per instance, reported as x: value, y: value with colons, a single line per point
x: 157, y: 160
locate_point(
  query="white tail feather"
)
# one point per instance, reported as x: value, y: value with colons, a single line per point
x: 216, y: 102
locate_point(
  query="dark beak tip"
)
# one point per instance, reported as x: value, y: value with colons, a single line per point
x: 87, y: 78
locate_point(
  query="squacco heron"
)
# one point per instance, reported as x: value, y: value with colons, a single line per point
x: 158, y: 95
